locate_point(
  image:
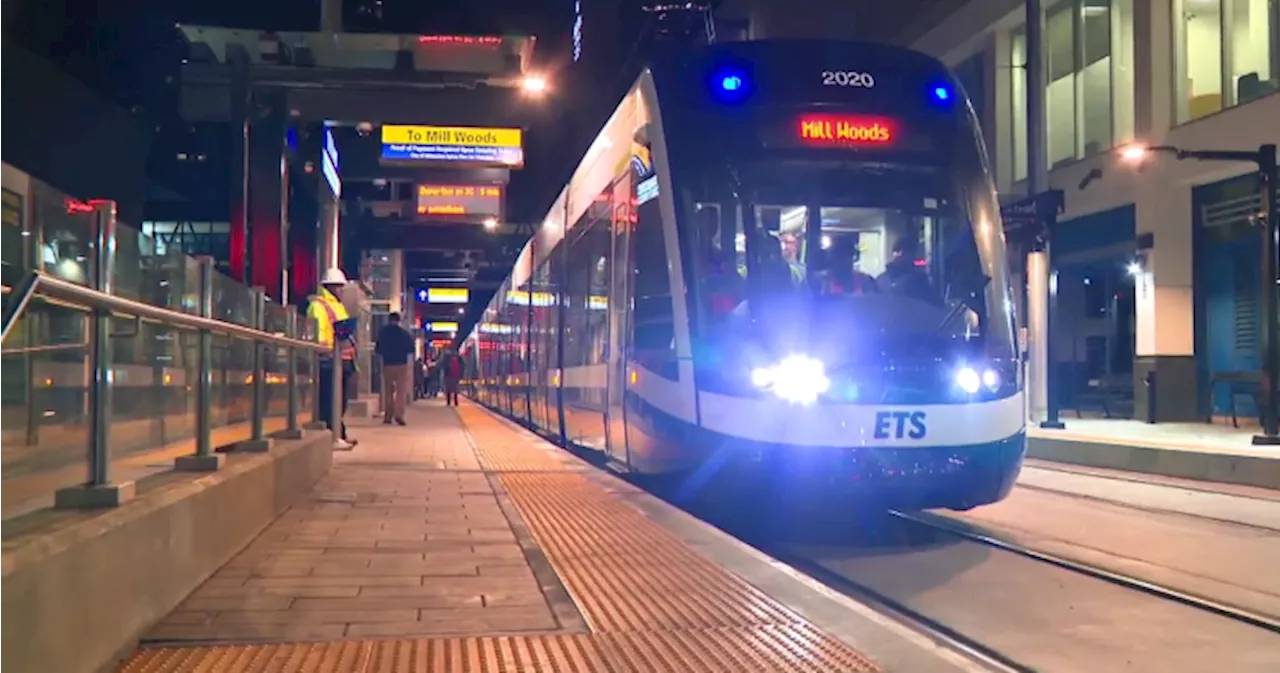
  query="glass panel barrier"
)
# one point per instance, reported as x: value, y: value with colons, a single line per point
x: 153, y: 369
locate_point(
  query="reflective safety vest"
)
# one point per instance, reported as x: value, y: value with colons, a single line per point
x: 326, y: 310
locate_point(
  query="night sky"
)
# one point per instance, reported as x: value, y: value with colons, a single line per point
x: 130, y: 53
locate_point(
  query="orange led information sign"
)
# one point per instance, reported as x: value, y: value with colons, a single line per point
x: 460, y: 200
x: 845, y: 130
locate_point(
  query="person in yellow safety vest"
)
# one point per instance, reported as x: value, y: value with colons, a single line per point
x: 332, y: 322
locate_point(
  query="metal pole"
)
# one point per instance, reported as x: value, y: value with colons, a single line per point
x: 1052, y: 421
x: 102, y: 275
x: 34, y: 228
x: 336, y: 392
x: 292, y: 429
x: 99, y: 491
x: 259, y: 299
x: 258, y: 441
x: 1037, y: 266
x: 204, y: 460
x: 1269, y: 177
x: 316, y: 403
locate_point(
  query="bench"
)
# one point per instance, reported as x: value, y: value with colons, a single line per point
x: 1237, y: 383
x: 1104, y: 391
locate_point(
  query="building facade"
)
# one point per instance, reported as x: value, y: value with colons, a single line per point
x: 1158, y: 262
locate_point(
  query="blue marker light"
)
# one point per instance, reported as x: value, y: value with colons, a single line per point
x: 730, y: 83
x: 941, y: 93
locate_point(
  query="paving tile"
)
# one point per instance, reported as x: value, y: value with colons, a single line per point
x: 268, y: 583
x: 316, y: 616
x: 273, y: 632
x: 338, y: 591
x: 405, y: 536
x: 388, y: 603
x: 256, y: 602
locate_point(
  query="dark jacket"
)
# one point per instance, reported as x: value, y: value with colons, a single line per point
x: 395, y: 346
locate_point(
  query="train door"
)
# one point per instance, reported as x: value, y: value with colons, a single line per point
x: 619, y: 318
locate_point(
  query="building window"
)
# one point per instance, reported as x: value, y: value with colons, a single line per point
x: 1226, y: 53
x: 1088, y: 50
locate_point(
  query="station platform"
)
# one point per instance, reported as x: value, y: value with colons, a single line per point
x: 1197, y: 451
x: 465, y: 543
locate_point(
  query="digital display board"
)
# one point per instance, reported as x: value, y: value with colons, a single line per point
x: 844, y: 130
x: 439, y: 326
x: 444, y: 295
x: 472, y: 146
x: 460, y: 200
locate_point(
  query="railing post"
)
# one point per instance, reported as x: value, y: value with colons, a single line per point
x: 291, y: 430
x: 336, y: 391
x: 99, y: 491
x: 258, y: 441
x: 33, y: 229
x: 204, y: 460
x: 317, y: 404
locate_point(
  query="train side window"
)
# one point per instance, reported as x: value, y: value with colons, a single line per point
x: 654, y: 331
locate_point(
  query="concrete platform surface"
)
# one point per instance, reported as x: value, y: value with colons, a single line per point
x: 1199, y: 451
x: 464, y: 543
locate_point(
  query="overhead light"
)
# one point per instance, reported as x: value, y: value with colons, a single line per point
x: 491, y: 223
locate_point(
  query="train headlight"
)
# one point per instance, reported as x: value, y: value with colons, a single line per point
x: 971, y: 380
x: 797, y: 378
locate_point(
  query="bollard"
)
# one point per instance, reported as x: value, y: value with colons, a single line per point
x: 204, y: 460
x: 291, y: 430
x: 1150, y: 381
x: 99, y: 491
x: 258, y: 441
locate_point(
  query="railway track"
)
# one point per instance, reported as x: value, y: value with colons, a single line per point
x: 1005, y: 636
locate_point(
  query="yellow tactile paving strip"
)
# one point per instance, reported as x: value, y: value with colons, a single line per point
x: 652, y: 604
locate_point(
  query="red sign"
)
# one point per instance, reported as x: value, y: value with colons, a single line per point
x: 846, y: 130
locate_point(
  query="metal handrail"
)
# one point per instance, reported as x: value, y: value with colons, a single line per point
x: 38, y: 281
x: 50, y: 348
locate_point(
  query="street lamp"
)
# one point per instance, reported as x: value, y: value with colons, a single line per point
x: 1268, y: 181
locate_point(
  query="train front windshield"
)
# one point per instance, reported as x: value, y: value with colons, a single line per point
x: 889, y: 266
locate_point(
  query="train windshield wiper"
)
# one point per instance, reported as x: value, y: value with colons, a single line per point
x: 968, y: 299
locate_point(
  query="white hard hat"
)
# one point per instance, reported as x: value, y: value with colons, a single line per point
x: 334, y: 276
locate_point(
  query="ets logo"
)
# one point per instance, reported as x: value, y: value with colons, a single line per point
x: 900, y: 425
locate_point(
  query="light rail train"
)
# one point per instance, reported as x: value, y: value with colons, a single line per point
x: 779, y: 260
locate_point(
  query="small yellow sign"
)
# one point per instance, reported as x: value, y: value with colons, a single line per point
x: 443, y: 326
x: 451, y: 135
x: 448, y: 295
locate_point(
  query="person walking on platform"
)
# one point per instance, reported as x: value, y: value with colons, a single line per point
x: 395, y: 347
x: 333, y: 322
x: 452, y: 369
x: 419, y: 379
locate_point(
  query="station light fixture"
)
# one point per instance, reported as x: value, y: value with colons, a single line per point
x: 491, y: 224
x: 534, y: 84
x: 1133, y: 153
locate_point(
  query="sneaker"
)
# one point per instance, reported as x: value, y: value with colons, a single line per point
x: 400, y: 421
x: 342, y: 445
x: 352, y: 442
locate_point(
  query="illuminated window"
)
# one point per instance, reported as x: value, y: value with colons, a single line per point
x: 1225, y: 53
x: 1088, y: 49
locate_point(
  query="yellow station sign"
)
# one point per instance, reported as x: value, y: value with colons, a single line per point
x: 452, y: 136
